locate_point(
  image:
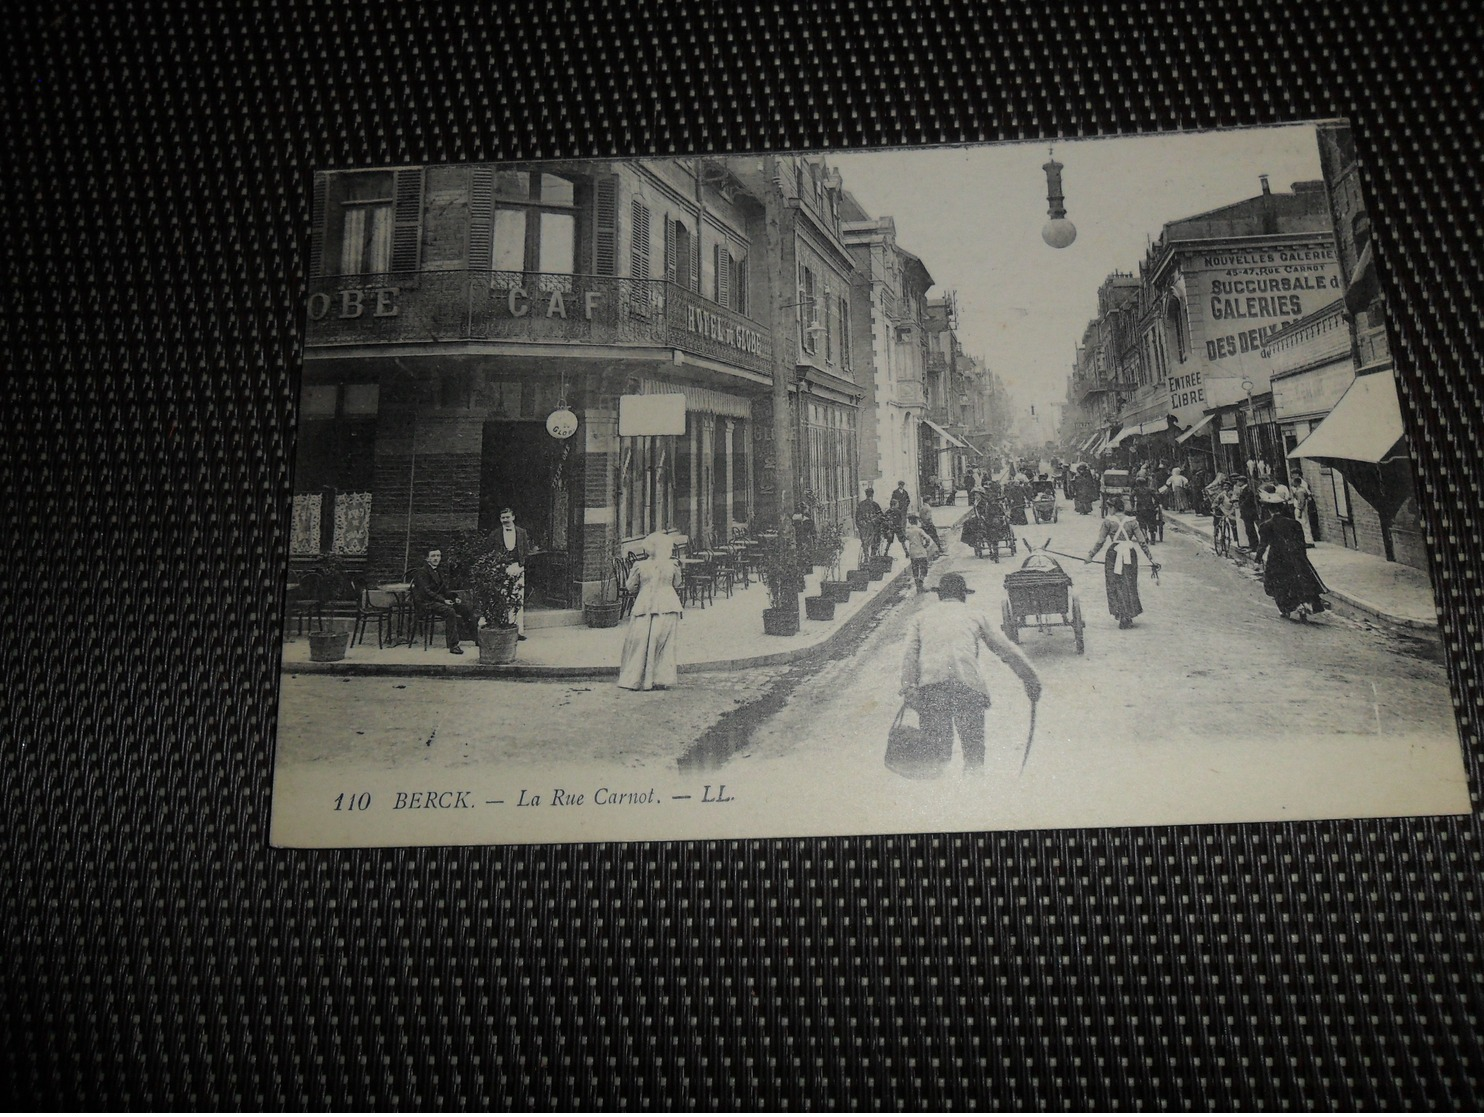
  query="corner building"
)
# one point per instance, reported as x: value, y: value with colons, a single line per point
x: 453, y: 309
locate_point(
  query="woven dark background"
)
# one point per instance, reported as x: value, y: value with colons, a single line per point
x: 158, y: 954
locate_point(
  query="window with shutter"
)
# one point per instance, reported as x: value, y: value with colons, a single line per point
x: 605, y: 227
x: 481, y: 217
x: 671, y: 264
x: 845, y: 360
x: 639, y: 248
x: 723, y: 270
x: 407, y: 233
x: 695, y: 262
x: 829, y: 325
x: 739, y: 286
x: 317, y: 226
x: 367, y: 222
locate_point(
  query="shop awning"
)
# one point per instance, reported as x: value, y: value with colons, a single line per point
x: 1093, y: 439
x: 1098, y: 444
x: 1365, y: 426
x: 1195, y: 430
x: 953, y: 440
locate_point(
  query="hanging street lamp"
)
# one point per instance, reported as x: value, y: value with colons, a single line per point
x: 1058, y: 232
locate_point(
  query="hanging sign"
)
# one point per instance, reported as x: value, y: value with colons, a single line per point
x: 1230, y: 437
x: 561, y: 423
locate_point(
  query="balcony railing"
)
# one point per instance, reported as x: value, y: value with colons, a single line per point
x: 1093, y: 387
x: 460, y: 305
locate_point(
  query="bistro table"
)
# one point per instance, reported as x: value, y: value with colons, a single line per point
x: 402, y: 613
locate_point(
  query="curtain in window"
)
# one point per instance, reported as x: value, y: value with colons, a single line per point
x: 366, y: 240
x: 352, y: 523
x: 304, y: 529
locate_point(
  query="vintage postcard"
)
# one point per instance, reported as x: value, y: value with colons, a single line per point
x: 957, y: 488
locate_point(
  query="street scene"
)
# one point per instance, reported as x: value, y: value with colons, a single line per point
x: 746, y: 497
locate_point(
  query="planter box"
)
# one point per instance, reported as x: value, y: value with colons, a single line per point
x: 497, y: 645
x: 327, y: 647
x: 819, y: 608
x: 874, y: 569
x: 781, y: 622
x: 858, y: 579
x: 604, y: 615
x: 838, y: 592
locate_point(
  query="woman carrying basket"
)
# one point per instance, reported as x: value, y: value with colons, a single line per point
x: 1121, y: 566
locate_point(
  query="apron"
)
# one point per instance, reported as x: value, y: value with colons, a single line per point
x: 1123, y: 546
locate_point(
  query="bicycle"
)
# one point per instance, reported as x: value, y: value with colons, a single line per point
x: 1223, y: 535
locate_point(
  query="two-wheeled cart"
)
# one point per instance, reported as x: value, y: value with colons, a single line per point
x: 1039, y: 595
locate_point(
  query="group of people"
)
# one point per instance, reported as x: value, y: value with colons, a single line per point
x: 432, y: 595
x: 1275, y: 531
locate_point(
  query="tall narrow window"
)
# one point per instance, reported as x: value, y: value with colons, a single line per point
x: 368, y: 222
x: 844, y: 331
x: 740, y: 300
x: 808, y: 311
x: 829, y: 324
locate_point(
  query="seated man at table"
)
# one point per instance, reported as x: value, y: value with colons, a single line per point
x: 430, y: 594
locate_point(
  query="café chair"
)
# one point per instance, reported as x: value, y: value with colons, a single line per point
x: 380, y: 607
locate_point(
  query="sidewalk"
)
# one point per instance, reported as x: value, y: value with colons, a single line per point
x: 726, y: 635
x: 1389, y: 591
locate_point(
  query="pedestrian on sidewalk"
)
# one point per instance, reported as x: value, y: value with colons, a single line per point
x: 868, y: 524
x: 1177, y: 491
x: 942, y: 676
x: 921, y: 549
x: 1303, y: 505
x: 1245, y: 497
x: 650, y: 646
x: 1121, y: 565
x: 1288, y: 577
x: 513, y: 547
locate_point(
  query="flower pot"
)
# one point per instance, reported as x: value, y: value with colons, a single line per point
x: 326, y: 647
x: 858, y: 579
x: 781, y: 622
x: 820, y: 608
x: 885, y: 562
x: 838, y: 592
x: 601, y: 615
x: 873, y: 568
x: 497, y: 645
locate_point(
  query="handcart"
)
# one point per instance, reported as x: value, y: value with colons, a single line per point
x: 1043, y: 501
x: 1040, y: 595
x: 1116, y: 482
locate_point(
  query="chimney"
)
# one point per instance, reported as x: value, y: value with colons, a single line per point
x: 1266, y: 189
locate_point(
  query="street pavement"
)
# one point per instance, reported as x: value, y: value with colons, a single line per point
x: 1212, y: 708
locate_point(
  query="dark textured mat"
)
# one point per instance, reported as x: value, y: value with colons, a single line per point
x: 158, y: 954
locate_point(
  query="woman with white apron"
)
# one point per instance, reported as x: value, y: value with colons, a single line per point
x: 1121, y: 567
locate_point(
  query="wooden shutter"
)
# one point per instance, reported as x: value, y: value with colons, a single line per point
x: 481, y: 218
x: 639, y: 247
x: 739, y: 286
x: 695, y: 261
x: 407, y: 228
x: 317, y: 228
x: 605, y: 226
x: 671, y: 264
x: 723, y: 276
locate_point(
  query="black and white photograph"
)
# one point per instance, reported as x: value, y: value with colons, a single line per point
x: 1035, y: 485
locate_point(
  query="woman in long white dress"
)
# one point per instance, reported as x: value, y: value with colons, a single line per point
x: 649, y: 647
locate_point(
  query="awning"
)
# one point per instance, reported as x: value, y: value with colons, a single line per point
x: 952, y: 439
x: 1195, y: 430
x: 1365, y: 426
x: 1098, y: 444
x: 1124, y: 435
x: 1091, y: 440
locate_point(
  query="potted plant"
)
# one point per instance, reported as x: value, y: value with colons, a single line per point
x: 496, y: 600
x: 782, y: 576
x: 328, y: 581
x: 828, y: 545
x: 604, y: 613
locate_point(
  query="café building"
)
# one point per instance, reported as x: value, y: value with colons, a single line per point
x: 470, y: 333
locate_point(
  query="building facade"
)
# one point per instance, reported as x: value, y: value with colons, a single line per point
x: 1178, y: 369
x: 897, y: 284
x: 452, y: 310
